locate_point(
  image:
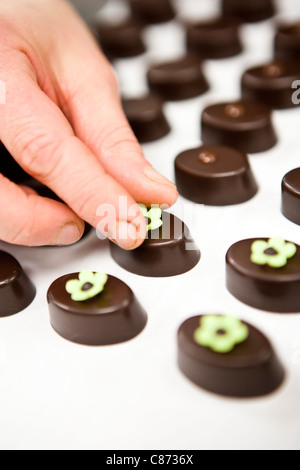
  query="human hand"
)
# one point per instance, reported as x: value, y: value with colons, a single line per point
x: 63, y: 123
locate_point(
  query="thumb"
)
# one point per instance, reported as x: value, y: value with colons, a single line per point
x: 27, y: 219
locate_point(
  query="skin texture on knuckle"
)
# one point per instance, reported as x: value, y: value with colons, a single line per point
x: 39, y: 154
x: 119, y: 139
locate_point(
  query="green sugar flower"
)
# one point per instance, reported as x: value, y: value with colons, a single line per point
x: 220, y: 333
x: 87, y: 286
x: 275, y: 253
x: 154, y: 216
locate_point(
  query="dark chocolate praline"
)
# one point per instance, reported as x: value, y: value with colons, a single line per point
x: 291, y: 196
x: 249, y: 11
x: 153, y: 11
x: 215, y: 175
x: 167, y: 251
x: 146, y: 117
x: 122, y: 40
x: 178, y: 80
x: 271, y: 84
x: 252, y: 369
x: 263, y: 287
x: 215, y: 39
x: 113, y: 316
x: 16, y: 289
x: 244, y: 125
x: 287, y: 42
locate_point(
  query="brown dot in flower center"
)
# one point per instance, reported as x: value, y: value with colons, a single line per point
x: 234, y: 110
x: 221, y: 332
x: 207, y: 157
x: 270, y: 252
x: 87, y: 286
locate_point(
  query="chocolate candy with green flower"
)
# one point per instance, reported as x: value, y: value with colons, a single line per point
x: 275, y: 253
x: 220, y: 333
x: 243, y: 365
x: 87, y: 286
x: 168, y: 250
x: 94, y: 309
x: 265, y: 274
x: 153, y: 217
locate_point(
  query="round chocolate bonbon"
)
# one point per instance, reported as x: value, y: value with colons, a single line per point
x: 152, y: 11
x: 271, y: 84
x: 265, y: 274
x: 249, y: 11
x: 178, y: 79
x: 167, y: 251
x: 111, y: 317
x: 215, y: 39
x: 146, y: 117
x: 287, y: 42
x: 215, y: 175
x: 244, y: 125
x: 291, y: 196
x: 122, y: 40
x: 250, y: 369
x: 16, y: 289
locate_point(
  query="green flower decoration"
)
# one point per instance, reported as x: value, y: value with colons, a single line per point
x: 220, y: 333
x: 154, y: 215
x: 275, y: 253
x: 87, y: 286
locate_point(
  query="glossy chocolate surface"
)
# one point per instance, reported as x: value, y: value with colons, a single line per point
x: 215, y: 175
x: 122, y: 40
x: 16, y: 290
x: 271, y: 84
x: 287, y: 42
x: 249, y: 11
x: 252, y: 369
x: 146, y: 117
x: 244, y: 125
x: 263, y: 287
x: 152, y: 11
x: 291, y: 196
x: 178, y: 80
x: 168, y: 251
x: 114, y: 316
x: 215, y: 39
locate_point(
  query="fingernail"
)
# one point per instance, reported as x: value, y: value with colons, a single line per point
x: 125, y: 234
x: 157, y: 177
x: 68, y: 235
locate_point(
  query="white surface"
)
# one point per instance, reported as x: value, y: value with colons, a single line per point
x: 58, y: 395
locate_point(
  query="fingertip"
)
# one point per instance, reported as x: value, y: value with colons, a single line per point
x: 127, y: 235
x: 68, y: 234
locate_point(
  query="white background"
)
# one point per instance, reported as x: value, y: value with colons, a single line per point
x: 58, y: 395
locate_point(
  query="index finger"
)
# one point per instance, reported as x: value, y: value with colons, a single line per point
x: 41, y: 139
